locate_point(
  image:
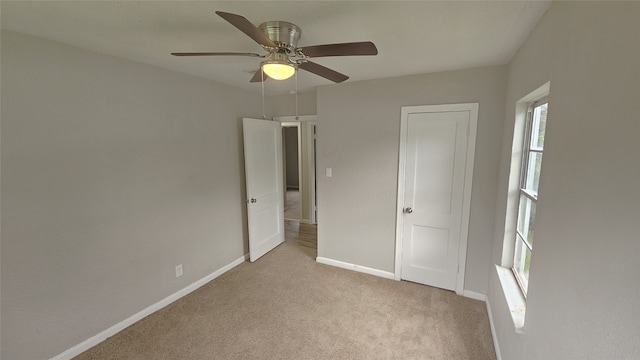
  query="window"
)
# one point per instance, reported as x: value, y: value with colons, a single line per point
x: 536, y: 122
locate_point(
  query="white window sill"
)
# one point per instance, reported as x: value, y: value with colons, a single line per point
x: 513, y: 295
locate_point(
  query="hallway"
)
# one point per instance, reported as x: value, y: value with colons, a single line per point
x: 301, y: 234
x: 292, y: 208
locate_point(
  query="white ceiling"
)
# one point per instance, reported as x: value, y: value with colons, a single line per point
x: 412, y: 37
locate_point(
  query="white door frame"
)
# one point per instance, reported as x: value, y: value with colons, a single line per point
x: 289, y: 124
x: 466, y: 202
x: 311, y: 171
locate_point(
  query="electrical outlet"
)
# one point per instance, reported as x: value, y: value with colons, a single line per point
x: 179, y: 270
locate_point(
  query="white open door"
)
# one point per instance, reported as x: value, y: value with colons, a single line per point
x: 263, y: 168
x: 434, y: 197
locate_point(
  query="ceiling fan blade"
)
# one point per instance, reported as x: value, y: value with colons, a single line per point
x: 257, y: 77
x: 323, y: 71
x: 214, y: 54
x: 343, y: 49
x: 247, y: 27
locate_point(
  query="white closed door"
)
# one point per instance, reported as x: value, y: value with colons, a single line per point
x: 431, y: 207
x: 264, y: 178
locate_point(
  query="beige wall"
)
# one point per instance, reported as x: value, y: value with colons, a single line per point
x: 113, y: 173
x: 285, y: 105
x: 359, y: 137
x: 584, y: 290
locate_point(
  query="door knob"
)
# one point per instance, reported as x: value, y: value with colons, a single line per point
x: 408, y: 210
x: 253, y: 201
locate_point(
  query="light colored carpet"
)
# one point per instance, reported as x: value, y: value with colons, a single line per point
x: 287, y: 306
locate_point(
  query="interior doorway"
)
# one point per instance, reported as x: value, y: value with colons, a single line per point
x: 299, y: 158
x: 291, y: 147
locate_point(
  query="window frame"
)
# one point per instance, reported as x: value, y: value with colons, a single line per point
x: 527, y: 148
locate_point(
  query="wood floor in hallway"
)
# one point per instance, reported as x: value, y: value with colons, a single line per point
x: 301, y: 234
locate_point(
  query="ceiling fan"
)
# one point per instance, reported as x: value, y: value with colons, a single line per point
x: 283, y: 57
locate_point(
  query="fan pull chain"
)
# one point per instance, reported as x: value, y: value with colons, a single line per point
x: 264, y: 117
x: 297, y: 118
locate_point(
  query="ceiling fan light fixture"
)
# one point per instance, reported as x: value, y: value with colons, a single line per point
x: 278, y: 70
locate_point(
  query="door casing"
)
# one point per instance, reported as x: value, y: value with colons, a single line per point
x: 309, y: 160
x: 466, y: 204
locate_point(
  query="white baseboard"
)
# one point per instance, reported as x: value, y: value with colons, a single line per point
x: 102, y: 336
x: 493, y: 331
x: 354, y: 267
x: 474, y: 295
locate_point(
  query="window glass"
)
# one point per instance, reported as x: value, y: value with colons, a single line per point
x: 538, y: 126
x: 521, y: 264
x: 531, y: 169
x: 526, y: 218
x: 533, y: 173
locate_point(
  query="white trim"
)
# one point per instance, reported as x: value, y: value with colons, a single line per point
x: 496, y: 345
x: 474, y: 295
x: 400, y: 199
x: 472, y: 108
x: 311, y: 166
x: 513, y: 297
x: 103, y: 335
x: 298, y: 126
x: 354, y: 267
x: 295, y: 118
x: 466, y: 201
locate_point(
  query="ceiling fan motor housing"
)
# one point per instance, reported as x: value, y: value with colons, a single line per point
x: 284, y: 34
